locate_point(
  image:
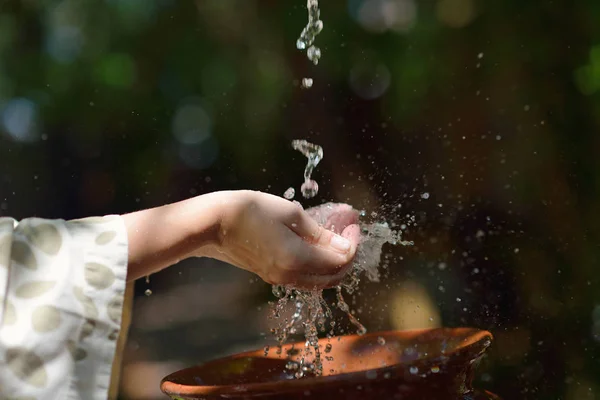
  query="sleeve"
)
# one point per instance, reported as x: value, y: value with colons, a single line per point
x: 62, y: 288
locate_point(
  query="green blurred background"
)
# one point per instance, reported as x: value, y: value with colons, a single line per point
x: 471, y: 125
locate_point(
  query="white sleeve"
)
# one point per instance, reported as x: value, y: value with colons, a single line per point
x: 62, y: 287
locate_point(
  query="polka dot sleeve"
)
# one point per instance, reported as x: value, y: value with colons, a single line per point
x: 62, y: 287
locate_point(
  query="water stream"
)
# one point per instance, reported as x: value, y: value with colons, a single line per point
x: 308, y: 35
x: 310, y: 310
x: 314, y: 154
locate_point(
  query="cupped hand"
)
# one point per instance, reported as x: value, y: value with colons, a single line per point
x: 283, y: 244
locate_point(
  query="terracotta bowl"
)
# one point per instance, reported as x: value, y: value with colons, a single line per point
x: 409, y: 365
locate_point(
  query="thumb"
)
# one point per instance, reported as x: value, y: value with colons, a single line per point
x: 344, y: 244
x: 324, y: 252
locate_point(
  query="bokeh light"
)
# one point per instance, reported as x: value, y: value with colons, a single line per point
x: 370, y: 80
x: 191, y: 123
x: 379, y: 16
x: 455, y: 13
x: 19, y: 118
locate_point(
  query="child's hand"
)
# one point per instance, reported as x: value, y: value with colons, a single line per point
x: 283, y: 244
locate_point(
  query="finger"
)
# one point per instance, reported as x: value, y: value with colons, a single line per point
x: 308, y: 229
x: 352, y: 233
x: 314, y: 258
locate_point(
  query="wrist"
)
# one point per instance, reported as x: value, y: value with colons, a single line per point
x: 203, y: 221
x: 163, y: 236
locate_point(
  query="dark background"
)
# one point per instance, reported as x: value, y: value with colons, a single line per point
x: 488, y: 108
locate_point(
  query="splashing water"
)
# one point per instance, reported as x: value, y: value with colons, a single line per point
x: 314, y: 154
x: 311, y: 312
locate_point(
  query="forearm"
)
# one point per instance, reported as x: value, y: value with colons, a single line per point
x: 162, y: 236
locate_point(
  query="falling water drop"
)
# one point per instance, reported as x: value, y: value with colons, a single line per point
x: 314, y: 154
x: 314, y: 54
x: 289, y: 193
x: 309, y: 33
x: 309, y: 189
x: 307, y: 83
x: 148, y: 292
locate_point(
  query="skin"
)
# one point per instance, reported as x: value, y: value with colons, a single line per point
x: 261, y: 233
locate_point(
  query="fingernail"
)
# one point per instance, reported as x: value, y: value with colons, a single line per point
x: 339, y: 243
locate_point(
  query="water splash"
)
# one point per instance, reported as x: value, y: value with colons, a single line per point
x: 314, y: 154
x: 311, y: 312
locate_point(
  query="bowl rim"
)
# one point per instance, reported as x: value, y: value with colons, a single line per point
x: 474, y: 344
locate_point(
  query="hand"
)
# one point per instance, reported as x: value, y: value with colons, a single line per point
x: 283, y: 244
x: 261, y: 233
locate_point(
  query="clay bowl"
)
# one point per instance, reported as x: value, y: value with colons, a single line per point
x: 409, y: 365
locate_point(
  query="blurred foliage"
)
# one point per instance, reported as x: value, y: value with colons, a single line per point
x: 491, y: 108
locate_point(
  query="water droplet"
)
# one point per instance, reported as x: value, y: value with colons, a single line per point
x: 289, y: 193
x: 425, y: 195
x: 314, y: 154
x: 309, y: 189
x: 307, y: 83
x: 328, y: 348
x: 435, y: 369
x: 310, y: 31
x: 413, y: 370
x: 314, y: 54
x: 148, y: 292
x: 381, y: 341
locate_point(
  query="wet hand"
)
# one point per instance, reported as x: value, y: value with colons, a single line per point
x: 283, y: 244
